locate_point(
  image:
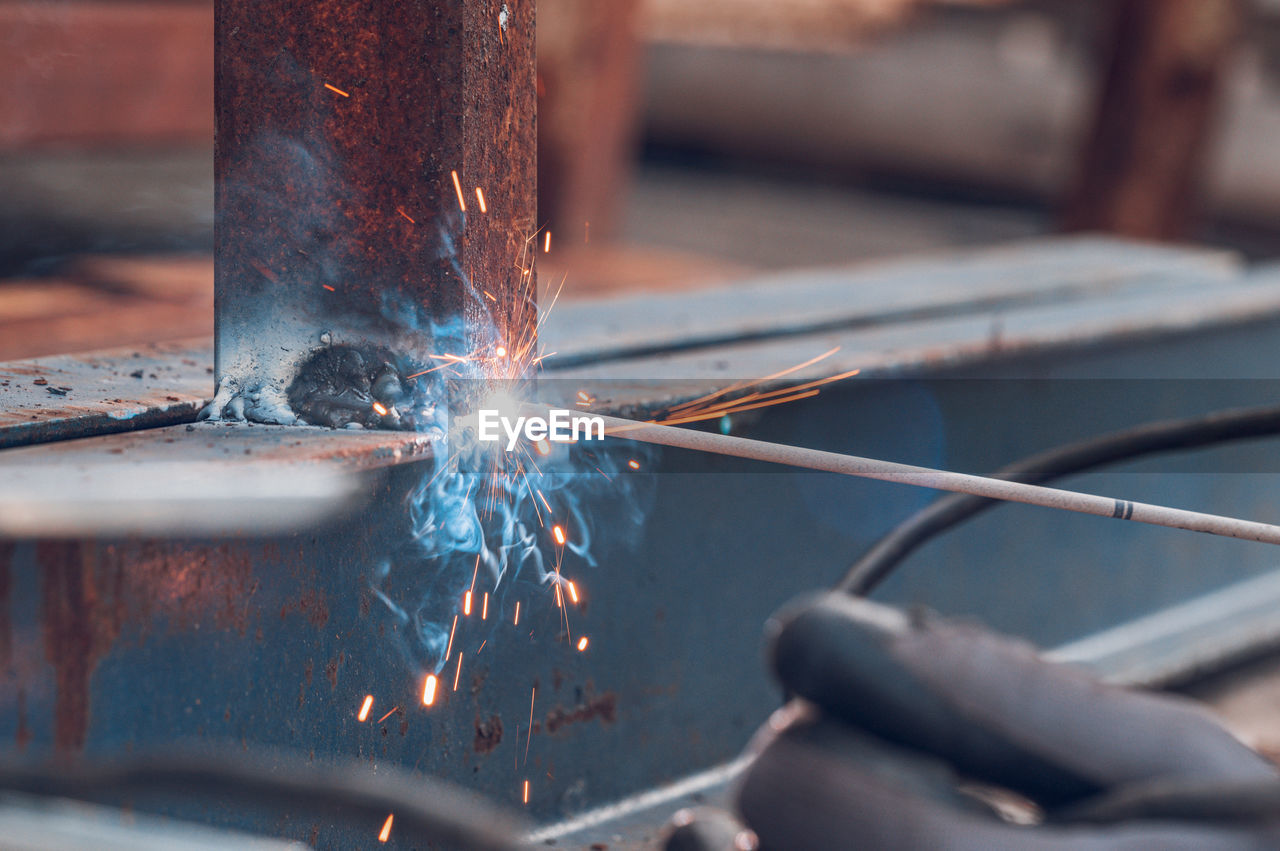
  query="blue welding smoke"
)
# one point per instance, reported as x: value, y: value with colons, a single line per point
x: 481, y: 518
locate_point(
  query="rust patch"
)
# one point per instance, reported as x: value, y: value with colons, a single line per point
x: 90, y: 592
x: 23, y: 736
x: 478, y: 680
x: 331, y: 668
x: 604, y: 707
x: 312, y: 604
x: 488, y: 734
x: 82, y: 611
x: 6, y: 617
x: 188, y: 585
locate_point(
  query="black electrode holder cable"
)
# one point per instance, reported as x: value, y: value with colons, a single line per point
x: 869, y: 571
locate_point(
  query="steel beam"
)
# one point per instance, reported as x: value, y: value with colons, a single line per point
x: 340, y: 127
x: 277, y: 639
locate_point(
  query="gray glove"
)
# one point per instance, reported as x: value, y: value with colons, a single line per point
x: 895, y: 715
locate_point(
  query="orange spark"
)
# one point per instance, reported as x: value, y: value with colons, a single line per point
x: 429, y: 690
x: 480, y: 198
x: 559, y: 597
x: 388, y: 715
x: 582, y: 644
x: 533, y: 694
x: 385, y: 833
x: 559, y: 534
x: 329, y: 288
x: 364, y: 708
x: 517, y: 620
x: 526, y: 791
x: 457, y: 185
x: 484, y: 607
x: 546, y: 244
x: 448, y: 651
x: 573, y: 592
x: 466, y: 604
x: 380, y: 408
x: 633, y: 464
x: 457, y: 673
x: 401, y: 211
x: 337, y: 90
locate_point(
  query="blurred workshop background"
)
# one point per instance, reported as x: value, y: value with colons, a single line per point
x: 680, y: 143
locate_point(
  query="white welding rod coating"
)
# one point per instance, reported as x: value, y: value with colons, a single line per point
x: 889, y: 471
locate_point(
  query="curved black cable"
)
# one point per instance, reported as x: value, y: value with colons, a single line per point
x: 1150, y: 438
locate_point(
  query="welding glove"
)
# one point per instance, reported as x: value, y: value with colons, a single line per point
x: 899, y: 719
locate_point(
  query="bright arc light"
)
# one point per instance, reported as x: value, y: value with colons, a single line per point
x: 502, y: 402
x: 429, y: 690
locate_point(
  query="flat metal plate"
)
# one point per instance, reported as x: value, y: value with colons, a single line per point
x: 197, y: 479
x: 982, y: 282
x: 70, y: 396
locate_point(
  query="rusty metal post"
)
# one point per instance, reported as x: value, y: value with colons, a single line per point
x: 589, y: 57
x: 1143, y: 161
x: 340, y: 126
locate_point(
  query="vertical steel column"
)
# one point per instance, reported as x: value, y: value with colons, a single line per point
x: 340, y: 125
x: 1143, y: 162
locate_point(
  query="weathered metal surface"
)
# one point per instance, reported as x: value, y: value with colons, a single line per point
x: 976, y: 283
x: 229, y: 444
x: 198, y: 479
x: 1149, y: 309
x: 57, y: 398
x: 339, y: 127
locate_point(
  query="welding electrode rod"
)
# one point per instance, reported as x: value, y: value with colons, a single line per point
x: 889, y: 471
